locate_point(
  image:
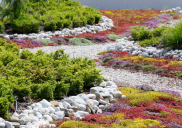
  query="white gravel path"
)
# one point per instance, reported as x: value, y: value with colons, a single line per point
x: 117, y: 75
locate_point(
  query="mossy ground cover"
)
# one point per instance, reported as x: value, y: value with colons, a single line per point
x: 142, y: 108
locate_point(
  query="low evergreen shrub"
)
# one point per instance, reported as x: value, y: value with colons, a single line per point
x: 153, y: 41
x: 114, y: 36
x: 25, y: 24
x: 1, y: 27
x: 41, y: 75
x: 148, y: 67
x: 140, y: 33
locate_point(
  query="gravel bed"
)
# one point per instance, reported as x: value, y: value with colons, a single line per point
x: 117, y: 75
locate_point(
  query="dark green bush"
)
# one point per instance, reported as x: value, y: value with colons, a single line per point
x: 50, y: 26
x: 140, y: 33
x: 1, y: 27
x: 25, y: 24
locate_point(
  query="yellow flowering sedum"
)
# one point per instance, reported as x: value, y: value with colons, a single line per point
x: 136, y: 96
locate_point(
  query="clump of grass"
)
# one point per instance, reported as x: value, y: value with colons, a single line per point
x: 80, y: 41
x: 148, y: 67
x: 172, y: 37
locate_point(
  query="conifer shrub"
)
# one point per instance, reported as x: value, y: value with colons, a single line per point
x: 41, y: 75
x: 54, y: 15
x: 140, y: 33
x: 1, y: 27
x: 25, y: 24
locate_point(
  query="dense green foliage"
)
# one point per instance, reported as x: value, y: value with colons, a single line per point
x: 172, y: 37
x: 1, y: 27
x: 153, y: 41
x: 53, y: 15
x: 140, y: 33
x: 25, y: 24
x: 41, y: 75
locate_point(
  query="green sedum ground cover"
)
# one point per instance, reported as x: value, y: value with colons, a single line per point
x: 41, y: 75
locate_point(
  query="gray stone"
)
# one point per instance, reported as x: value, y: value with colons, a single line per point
x: 117, y: 94
x: 47, y: 117
x: 106, y: 95
x: 99, y: 111
x: 61, y: 105
x: 67, y: 112
x: 102, y: 102
x: 74, y: 108
x: 77, y: 116
x: 15, y: 124
x: 51, y: 109
x: 14, y: 119
x: 101, y: 107
x: 82, y: 113
x: 123, y: 97
x: 54, y: 117
x: 83, y: 96
x: 80, y: 101
x: 24, y: 120
x: 2, y: 125
x: 88, y: 110
x: 57, y: 109
x: 6, y: 37
x: 45, y: 111
x: 91, y: 96
x: 66, y: 104
x: 112, y: 84
x: 60, y: 114
x: 45, y: 103
x: 38, y: 115
x: 97, y: 96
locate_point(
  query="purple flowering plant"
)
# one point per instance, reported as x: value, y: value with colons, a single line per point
x: 172, y: 92
x: 20, y: 40
x: 114, y: 107
x: 119, y: 63
x: 36, y: 42
x: 101, y: 38
x: 174, y: 125
x: 145, y: 87
x: 59, y: 40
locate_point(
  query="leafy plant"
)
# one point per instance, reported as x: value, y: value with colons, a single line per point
x: 158, y: 31
x: 25, y: 24
x: 153, y: 41
x: 140, y: 33
x: 1, y: 27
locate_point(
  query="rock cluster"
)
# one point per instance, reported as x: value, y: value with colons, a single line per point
x: 42, y: 113
x: 173, y: 9
x: 152, y: 52
x: 104, y: 24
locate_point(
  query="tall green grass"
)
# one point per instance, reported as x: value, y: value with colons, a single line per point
x: 172, y: 37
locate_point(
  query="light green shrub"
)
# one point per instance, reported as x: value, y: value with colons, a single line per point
x: 25, y: 24
x: 153, y: 41
x: 140, y: 33
x: 158, y: 31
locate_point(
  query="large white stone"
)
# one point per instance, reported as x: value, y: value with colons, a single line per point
x: 47, y: 117
x: 83, y: 97
x: 45, y: 103
x: 80, y: 101
x: 60, y: 114
x: 117, y: 94
x: 66, y: 104
x: 51, y: 110
x: 82, y: 113
x: 91, y: 96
